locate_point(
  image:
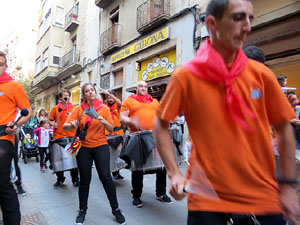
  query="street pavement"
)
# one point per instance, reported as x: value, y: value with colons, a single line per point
x: 44, y: 205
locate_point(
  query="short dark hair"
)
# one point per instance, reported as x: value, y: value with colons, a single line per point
x: 281, y: 78
x: 43, y: 121
x: 253, y: 52
x: 60, y: 93
x: 216, y: 8
x: 4, y: 55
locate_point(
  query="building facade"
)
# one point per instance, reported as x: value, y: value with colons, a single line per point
x: 64, y: 42
x: 146, y: 40
x: 276, y: 30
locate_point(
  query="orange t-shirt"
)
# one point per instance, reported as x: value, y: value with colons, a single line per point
x: 240, y: 165
x: 96, y: 131
x: 116, y: 121
x: 144, y: 112
x: 60, y: 132
x: 12, y: 97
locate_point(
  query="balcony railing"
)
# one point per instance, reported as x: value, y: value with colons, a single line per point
x: 71, y: 19
x: 151, y: 14
x: 70, y: 58
x: 110, y: 39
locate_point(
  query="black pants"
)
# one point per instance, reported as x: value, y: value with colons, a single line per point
x: 101, y: 156
x: 16, y: 161
x: 8, y: 197
x: 137, y: 182
x: 43, y: 153
x: 213, y: 218
x: 73, y: 172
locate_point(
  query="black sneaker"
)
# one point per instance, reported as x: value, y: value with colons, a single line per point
x: 80, y: 217
x: 118, y: 177
x: 57, y: 184
x: 21, y: 191
x: 164, y: 198
x: 119, y: 216
x: 137, y: 202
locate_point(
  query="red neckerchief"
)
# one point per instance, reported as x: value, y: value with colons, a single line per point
x: 111, y: 108
x: 97, y: 105
x: 63, y: 109
x: 142, y: 98
x: 209, y: 64
x: 5, y: 77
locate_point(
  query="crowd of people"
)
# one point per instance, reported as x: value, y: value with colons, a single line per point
x: 230, y: 101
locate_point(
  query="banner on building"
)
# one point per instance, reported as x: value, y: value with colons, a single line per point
x: 141, y: 45
x: 159, y: 66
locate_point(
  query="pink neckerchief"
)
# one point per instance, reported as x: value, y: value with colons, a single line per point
x: 209, y: 64
x: 97, y: 105
x: 142, y: 98
x: 5, y: 77
x: 64, y: 108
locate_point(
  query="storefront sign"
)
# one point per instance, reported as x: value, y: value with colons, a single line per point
x: 160, y: 66
x: 141, y: 45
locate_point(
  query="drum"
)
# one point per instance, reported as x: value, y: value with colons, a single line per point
x: 60, y: 158
x: 115, y: 145
x: 140, y: 149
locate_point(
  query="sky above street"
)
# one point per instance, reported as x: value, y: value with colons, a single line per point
x: 18, y: 15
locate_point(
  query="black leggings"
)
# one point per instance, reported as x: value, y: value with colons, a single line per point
x: 9, y: 202
x: 43, y: 152
x: 214, y: 218
x: 85, y: 158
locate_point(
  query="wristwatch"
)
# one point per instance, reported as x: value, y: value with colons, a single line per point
x: 292, y: 182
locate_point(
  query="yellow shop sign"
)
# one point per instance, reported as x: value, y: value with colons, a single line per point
x: 159, y: 66
x: 141, y: 45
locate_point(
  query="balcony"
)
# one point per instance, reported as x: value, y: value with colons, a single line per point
x: 71, y: 19
x: 152, y: 14
x: 43, y: 81
x: 110, y: 39
x: 103, y: 3
x: 70, y: 64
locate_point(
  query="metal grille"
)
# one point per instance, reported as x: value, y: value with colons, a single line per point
x: 105, y: 81
x: 110, y: 37
x: 151, y: 10
x: 70, y: 58
x: 71, y: 15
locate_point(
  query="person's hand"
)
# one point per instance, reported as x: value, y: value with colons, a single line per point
x: 74, y: 123
x: 177, y: 184
x: 10, y: 130
x: 55, y: 125
x: 105, y: 92
x: 290, y: 203
x: 297, y: 122
x: 101, y: 120
x: 293, y: 100
x: 134, y: 122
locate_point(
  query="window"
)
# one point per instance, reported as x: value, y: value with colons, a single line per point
x: 37, y: 65
x: 75, y: 95
x: 47, y: 20
x: 56, y: 55
x: 45, y: 59
x: 47, y: 104
x: 90, y: 76
x: 118, y: 78
x: 59, y: 18
x: 105, y: 81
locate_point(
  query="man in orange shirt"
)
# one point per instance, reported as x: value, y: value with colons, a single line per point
x: 229, y: 102
x: 138, y: 113
x: 57, y: 117
x: 12, y: 97
x: 114, y: 104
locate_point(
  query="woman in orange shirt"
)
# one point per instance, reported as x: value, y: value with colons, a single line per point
x: 94, y: 148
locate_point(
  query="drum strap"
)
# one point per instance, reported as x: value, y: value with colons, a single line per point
x: 2, y: 130
x: 118, y: 128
